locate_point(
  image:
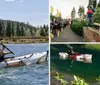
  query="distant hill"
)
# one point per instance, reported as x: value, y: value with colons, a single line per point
x: 10, y: 28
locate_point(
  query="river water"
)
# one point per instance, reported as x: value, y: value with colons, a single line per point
x: 26, y: 75
x: 84, y: 70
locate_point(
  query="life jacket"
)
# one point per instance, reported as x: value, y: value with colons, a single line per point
x: 90, y: 11
x: 75, y: 57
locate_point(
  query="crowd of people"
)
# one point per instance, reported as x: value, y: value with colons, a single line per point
x: 59, y: 24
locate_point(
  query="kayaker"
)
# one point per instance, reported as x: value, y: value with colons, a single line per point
x: 71, y: 52
x: 2, y: 54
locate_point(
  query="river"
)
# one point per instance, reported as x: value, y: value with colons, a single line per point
x: 84, y: 70
x: 25, y: 75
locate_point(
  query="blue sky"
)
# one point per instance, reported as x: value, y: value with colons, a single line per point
x: 33, y: 11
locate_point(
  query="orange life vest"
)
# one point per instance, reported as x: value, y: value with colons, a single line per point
x: 90, y: 11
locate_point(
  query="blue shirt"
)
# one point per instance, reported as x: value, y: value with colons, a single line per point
x: 93, y: 10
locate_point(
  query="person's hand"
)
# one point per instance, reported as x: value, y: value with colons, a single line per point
x: 12, y: 52
x: 3, y: 45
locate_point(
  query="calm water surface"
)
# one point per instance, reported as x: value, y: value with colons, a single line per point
x: 87, y: 71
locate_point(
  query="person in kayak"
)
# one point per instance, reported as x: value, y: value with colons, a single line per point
x: 71, y: 52
x: 2, y: 54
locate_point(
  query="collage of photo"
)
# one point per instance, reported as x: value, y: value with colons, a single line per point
x: 49, y: 42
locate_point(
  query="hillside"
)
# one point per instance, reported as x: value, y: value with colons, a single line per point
x: 10, y: 28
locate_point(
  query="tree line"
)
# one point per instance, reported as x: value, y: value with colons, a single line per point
x: 10, y: 28
x: 81, y: 10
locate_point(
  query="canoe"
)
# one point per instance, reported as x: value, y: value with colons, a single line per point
x: 86, y: 58
x: 33, y: 58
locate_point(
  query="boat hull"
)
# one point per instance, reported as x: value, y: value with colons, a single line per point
x: 86, y: 58
x: 28, y: 59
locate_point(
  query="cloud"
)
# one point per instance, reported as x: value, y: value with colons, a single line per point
x: 10, y: 0
x: 21, y: 0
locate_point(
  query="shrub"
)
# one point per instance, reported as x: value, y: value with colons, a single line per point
x: 60, y: 78
x: 98, y: 80
x: 77, y: 26
x: 97, y: 15
x: 78, y: 81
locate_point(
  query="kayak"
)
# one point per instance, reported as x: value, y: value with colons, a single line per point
x: 33, y: 58
x: 86, y: 58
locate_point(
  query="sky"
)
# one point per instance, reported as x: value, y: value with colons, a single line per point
x: 33, y: 11
x: 66, y: 6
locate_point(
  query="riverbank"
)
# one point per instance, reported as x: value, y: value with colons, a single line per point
x: 67, y: 78
x: 23, y: 40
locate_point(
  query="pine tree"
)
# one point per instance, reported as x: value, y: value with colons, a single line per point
x: 81, y: 12
x: 94, y: 3
x: 12, y: 31
x: 90, y: 2
x: 73, y: 13
x: 8, y: 29
x: 98, y: 4
x: 0, y: 28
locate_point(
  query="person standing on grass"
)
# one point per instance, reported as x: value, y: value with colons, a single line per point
x: 90, y: 13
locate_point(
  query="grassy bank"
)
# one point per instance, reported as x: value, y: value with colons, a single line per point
x: 92, y: 46
x: 24, y: 40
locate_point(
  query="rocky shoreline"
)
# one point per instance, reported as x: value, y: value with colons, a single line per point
x: 23, y: 40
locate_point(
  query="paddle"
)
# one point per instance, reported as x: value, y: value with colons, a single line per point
x: 69, y: 46
x: 72, y: 60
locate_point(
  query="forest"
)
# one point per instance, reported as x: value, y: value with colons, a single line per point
x: 10, y: 28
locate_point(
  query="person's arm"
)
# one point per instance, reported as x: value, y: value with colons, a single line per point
x: 3, y: 47
x: 7, y: 53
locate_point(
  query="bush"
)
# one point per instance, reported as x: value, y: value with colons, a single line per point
x: 77, y: 26
x: 78, y: 81
x: 52, y: 17
x: 97, y: 15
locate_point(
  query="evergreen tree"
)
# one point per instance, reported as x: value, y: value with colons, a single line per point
x: 17, y: 29
x: 73, y: 13
x: 0, y: 28
x: 12, y: 29
x: 81, y: 12
x: 98, y: 4
x: 94, y: 3
x: 8, y: 29
x: 90, y: 2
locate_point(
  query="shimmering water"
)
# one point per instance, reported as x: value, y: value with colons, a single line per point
x: 25, y: 75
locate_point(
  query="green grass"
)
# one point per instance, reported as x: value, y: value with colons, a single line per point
x: 93, y: 46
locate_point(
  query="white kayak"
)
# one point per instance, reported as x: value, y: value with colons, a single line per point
x: 86, y: 58
x: 28, y: 59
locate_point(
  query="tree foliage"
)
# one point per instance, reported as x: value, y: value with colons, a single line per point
x: 10, y: 28
x: 93, y: 3
x: 97, y: 15
x: 81, y: 12
x: 73, y: 13
x: 98, y: 4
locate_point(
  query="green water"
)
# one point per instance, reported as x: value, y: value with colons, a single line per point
x: 87, y: 71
